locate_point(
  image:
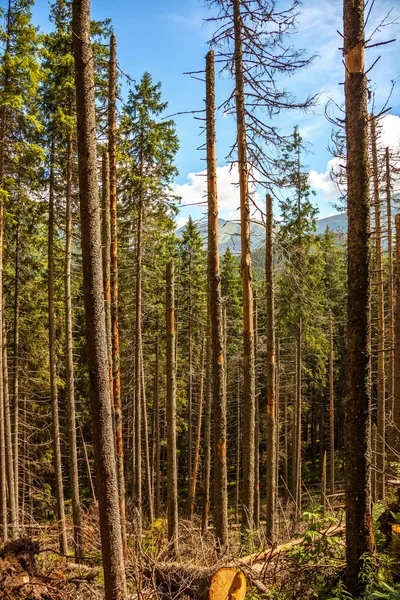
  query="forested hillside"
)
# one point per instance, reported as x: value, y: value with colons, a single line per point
x: 211, y: 411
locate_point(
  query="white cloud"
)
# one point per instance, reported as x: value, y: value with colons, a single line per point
x: 181, y: 222
x: 194, y: 191
x: 390, y: 133
x: 323, y: 181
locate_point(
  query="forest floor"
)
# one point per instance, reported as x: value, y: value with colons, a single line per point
x: 308, y: 562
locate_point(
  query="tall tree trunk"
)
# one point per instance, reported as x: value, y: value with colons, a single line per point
x: 331, y: 409
x: 270, y: 359
x: 3, y: 128
x: 396, y: 400
x: 390, y: 294
x: 238, y: 453
x: 373, y: 463
x: 112, y: 148
x: 257, y: 423
x: 53, y: 367
x: 71, y: 412
x: 248, y: 332
x: 381, y: 403
x: 217, y: 334
x: 286, y: 446
x: 190, y: 374
x: 296, y: 449
x: 172, y: 466
x: 138, y: 378
x: 358, y: 406
x: 8, y: 435
x: 106, y: 247
x: 16, y: 368
x: 207, y: 425
x: 157, y: 427
x: 96, y: 336
x: 196, y: 458
x: 149, y: 488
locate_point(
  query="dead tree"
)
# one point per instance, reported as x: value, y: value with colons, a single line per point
x: 112, y: 149
x: 96, y: 335
x: 358, y: 408
x: 71, y: 411
x: 53, y: 366
x: 396, y: 400
x: 172, y: 467
x: 217, y: 337
x: 271, y: 388
x: 381, y: 402
x: 331, y: 409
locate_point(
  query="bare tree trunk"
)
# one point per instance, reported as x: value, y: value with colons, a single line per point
x: 172, y: 467
x: 296, y: 450
x: 106, y: 247
x: 53, y: 368
x: 71, y: 412
x: 157, y: 426
x: 286, y: 446
x: 149, y: 488
x: 390, y: 293
x: 190, y: 374
x: 257, y: 423
x: 277, y: 413
x: 270, y: 359
x: 3, y: 127
x: 96, y: 335
x: 358, y: 406
x: 15, y: 419
x: 381, y: 403
x: 8, y: 436
x: 373, y: 464
x: 331, y: 409
x: 248, y: 332
x: 196, y: 458
x: 112, y: 147
x: 323, y: 483
x: 238, y: 444
x: 217, y: 345
x: 138, y: 387
x: 207, y: 425
x: 396, y: 400
x: 24, y: 458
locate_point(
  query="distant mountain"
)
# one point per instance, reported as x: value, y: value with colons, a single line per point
x: 229, y: 232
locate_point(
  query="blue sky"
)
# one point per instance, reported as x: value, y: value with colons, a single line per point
x: 168, y: 38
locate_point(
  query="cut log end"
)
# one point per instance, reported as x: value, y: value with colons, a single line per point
x: 227, y: 584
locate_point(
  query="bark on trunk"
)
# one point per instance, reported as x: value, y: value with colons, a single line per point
x: 16, y: 368
x: 207, y: 426
x: 248, y: 332
x: 331, y: 410
x: 257, y: 423
x: 270, y: 359
x: 358, y: 406
x: 381, y: 403
x: 8, y: 436
x: 96, y: 336
x: 390, y: 292
x: 112, y: 148
x: 172, y: 467
x: 396, y: 400
x: 157, y: 427
x: 196, y: 459
x: 217, y: 334
x: 53, y: 368
x: 106, y: 246
x: 71, y: 412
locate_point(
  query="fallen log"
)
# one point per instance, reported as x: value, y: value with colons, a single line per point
x: 265, y: 555
x: 200, y: 583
